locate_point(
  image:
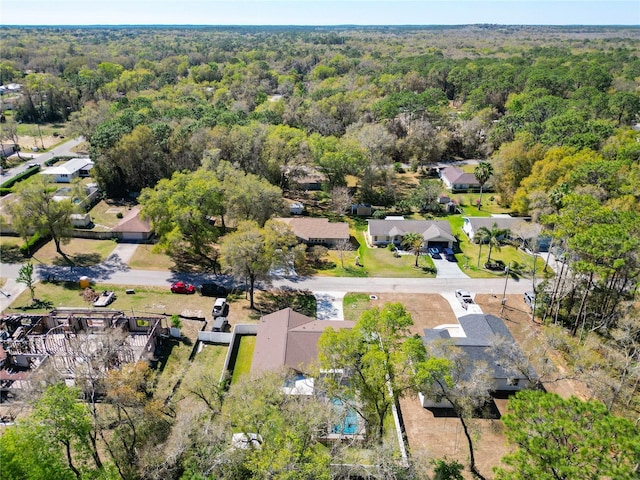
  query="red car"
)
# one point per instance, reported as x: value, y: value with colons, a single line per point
x: 182, y: 287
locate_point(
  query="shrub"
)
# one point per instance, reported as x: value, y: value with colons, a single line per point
x: 22, y: 176
x: 31, y: 245
x: 119, y: 215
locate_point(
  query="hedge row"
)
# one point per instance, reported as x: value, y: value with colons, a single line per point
x: 33, y: 244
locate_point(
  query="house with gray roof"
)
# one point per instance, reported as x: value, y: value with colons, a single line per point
x: 458, y: 181
x: 476, y: 335
x: 436, y: 233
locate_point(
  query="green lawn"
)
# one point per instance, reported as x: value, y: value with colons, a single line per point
x: 146, y: 300
x: 244, y: 356
x: 381, y: 262
x: 354, y: 304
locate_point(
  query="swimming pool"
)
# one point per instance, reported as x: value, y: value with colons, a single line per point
x: 349, y: 424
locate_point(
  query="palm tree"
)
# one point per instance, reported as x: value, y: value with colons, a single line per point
x: 491, y: 236
x: 483, y: 173
x: 413, y: 243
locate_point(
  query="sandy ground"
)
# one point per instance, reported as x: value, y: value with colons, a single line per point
x: 432, y: 437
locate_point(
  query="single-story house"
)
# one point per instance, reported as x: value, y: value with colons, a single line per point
x: 436, y: 233
x: 458, y: 181
x: 475, y: 336
x: 317, y: 231
x: 74, y: 168
x: 132, y: 228
x: 520, y: 229
x: 289, y: 339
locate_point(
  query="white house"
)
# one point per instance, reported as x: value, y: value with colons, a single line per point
x: 520, y: 229
x: 436, y: 233
x: 74, y: 168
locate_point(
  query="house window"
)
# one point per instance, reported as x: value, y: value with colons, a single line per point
x: 513, y: 382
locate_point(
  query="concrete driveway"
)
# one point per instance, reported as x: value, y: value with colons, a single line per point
x: 447, y: 269
x: 329, y: 305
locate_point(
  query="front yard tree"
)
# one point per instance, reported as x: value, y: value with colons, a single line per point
x: 36, y: 212
x: 482, y: 172
x: 251, y: 252
x: 492, y: 237
x: 413, y: 243
x: 181, y: 210
x: 565, y: 439
x: 25, y: 275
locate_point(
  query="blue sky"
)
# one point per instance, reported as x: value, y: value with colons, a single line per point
x: 319, y: 12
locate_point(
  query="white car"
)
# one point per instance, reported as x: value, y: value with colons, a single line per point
x: 464, y: 298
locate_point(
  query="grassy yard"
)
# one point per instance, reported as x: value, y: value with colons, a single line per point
x: 81, y: 251
x: 354, y: 304
x: 521, y: 262
x: 146, y: 300
x: 174, y: 358
x: 241, y: 361
x: 105, y: 214
x: 10, y: 250
x: 381, y: 262
x: 145, y: 258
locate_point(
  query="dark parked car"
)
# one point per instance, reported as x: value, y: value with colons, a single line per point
x: 182, y: 287
x: 449, y: 255
x: 212, y: 290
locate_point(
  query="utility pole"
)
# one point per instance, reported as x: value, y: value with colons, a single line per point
x: 504, y: 292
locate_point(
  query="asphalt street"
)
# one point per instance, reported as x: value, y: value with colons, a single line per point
x: 115, y: 271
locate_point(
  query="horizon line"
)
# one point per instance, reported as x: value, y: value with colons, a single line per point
x: 353, y: 25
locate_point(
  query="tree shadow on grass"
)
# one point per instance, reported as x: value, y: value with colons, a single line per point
x: 79, y: 260
x: 11, y: 254
x: 302, y: 301
x: 37, y: 304
x: 189, y: 262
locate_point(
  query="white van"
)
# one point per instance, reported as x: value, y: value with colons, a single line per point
x: 219, y: 308
x: 530, y: 299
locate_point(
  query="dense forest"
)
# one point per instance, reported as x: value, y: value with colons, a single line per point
x: 554, y: 110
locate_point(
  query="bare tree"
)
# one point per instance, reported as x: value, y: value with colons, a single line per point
x: 340, y: 200
x: 342, y: 247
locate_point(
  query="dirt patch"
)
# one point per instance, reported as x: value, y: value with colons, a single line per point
x: 432, y: 437
x: 427, y: 310
x: 27, y: 143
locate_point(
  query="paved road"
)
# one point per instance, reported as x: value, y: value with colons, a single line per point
x: 61, y: 150
x: 114, y: 270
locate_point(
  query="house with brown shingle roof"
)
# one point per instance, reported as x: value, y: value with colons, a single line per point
x: 132, y: 228
x: 317, y: 231
x: 458, y: 181
x: 288, y: 339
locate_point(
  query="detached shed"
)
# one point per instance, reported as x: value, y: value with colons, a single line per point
x: 80, y: 220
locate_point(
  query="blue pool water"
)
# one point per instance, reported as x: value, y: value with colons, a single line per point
x: 349, y: 426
